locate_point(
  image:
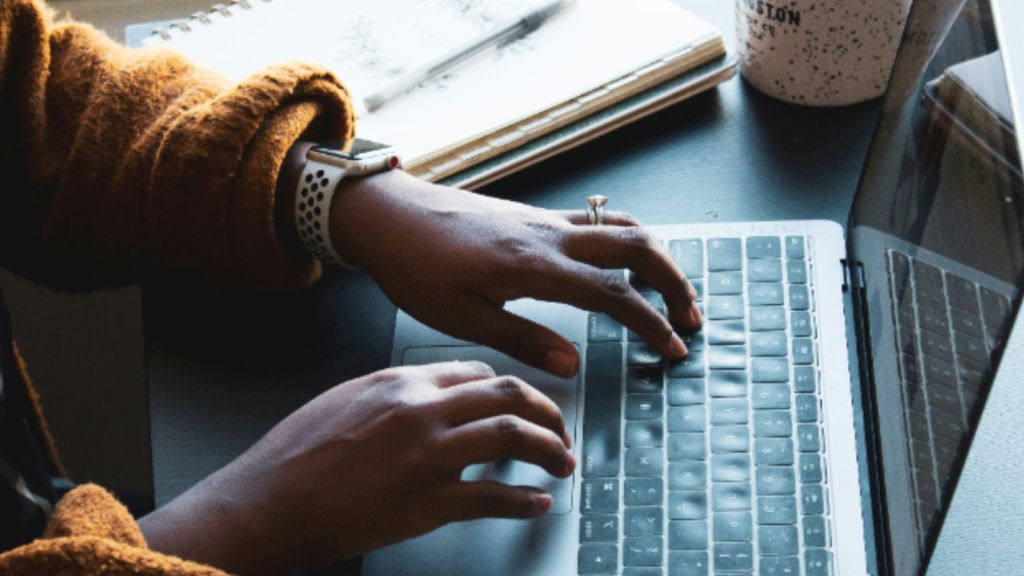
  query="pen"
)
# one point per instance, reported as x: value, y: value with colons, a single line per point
x: 524, y: 25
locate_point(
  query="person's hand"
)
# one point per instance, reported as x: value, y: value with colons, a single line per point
x: 368, y: 463
x: 452, y: 259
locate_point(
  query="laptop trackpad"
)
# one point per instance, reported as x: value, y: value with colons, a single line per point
x: 564, y: 392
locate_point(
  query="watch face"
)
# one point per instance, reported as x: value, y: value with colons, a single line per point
x: 360, y: 149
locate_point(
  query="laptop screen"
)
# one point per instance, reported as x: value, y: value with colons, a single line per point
x: 937, y: 229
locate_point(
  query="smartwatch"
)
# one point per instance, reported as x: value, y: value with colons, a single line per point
x: 326, y: 165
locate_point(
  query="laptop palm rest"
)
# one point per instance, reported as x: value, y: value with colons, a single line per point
x: 564, y: 392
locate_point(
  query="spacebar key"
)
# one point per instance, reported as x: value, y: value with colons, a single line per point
x: 602, y: 409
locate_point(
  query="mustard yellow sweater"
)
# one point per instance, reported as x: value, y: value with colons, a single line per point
x: 118, y: 164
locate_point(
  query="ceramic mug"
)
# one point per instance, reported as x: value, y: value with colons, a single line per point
x: 819, y: 52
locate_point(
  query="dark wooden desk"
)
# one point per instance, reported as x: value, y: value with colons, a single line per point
x: 222, y: 369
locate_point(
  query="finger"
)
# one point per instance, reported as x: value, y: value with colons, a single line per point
x: 584, y: 286
x: 485, y: 499
x: 505, y: 437
x: 638, y: 250
x: 445, y: 374
x: 504, y: 395
x: 518, y: 337
x: 611, y: 218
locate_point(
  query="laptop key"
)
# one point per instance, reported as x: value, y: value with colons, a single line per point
x: 767, y: 318
x: 644, y: 379
x: 773, y: 451
x: 814, y: 532
x: 772, y: 343
x: 962, y: 294
x: 692, y: 366
x: 733, y: 526
x: 795, y: 247
x: 803, y: 351
x: 640, y: 354
x: 804, y: 379
x: 602, y: 405
x: 798, y: 298
x: 694, y: 341
x: 734, y: 557
x: 642, y: 571
x: 601, y: 496
x: 775, y: 481
x: 764, y: 271
x: 769, y: 370
x: 644, y: 406
x: 726, y: 332
x: 599, y: 528
x: 724, y: 254
x: 727, y: 358
x: 725, y: 283
x: 644, y: 492
x: 796, y: 272
x: 687, y: 563
x: 763, y: 247
x: 730, y: 439
x: 777, y: 540
x: 687, y: 535
x: 967, y: 324
x: 806, y: 408
x: 687, y: 446
x: 771, y: 397
x: 598, y: 559
x: 812, y: 500
x: 730, y: 467
x: 772, y: 423
x: 817, y: 562
x: 765, y: 294
x: 971, y: 348
x: 810, y: 469
x: 686, y: 419
x: 780, y: 566
x: 685, y: 391
x: 643, y: 520
x: 731, y: 496
x: 642, y: 551
x: 646, y: 433
x: 687, y: 476
x: 689, y: 256
x: 644, y: 462
x: 603, y: 328
x: 995, y: 309
x: 727, y: 383
x: 726, y: 411
x: 800, y: 324
x: 725, y: 307
x: 776, y: 510
x: 688, y: 505
x: 808, y: 438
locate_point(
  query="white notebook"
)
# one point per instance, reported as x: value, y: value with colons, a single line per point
x: 593, y: 54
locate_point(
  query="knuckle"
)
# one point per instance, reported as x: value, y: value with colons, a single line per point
x: 639, y: 238
x: 614, y: 285
x: 511, y: 389
x: 510, y: 432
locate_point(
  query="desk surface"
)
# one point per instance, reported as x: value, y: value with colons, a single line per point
x: 222, y: 369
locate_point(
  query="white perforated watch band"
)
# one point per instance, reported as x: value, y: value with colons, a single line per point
x: 313, y: 209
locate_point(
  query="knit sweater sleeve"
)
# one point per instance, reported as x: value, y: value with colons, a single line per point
x: 92, y: 533
x: 119, y: 163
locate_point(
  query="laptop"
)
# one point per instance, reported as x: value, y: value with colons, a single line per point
x: 760, y: 453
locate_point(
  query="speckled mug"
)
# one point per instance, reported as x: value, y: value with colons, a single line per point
x: 819, y: 52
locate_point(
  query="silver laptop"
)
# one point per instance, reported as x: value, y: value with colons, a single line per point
x: 760, y: 453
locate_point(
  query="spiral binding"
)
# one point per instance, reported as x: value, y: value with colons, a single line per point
x: 225, y: 10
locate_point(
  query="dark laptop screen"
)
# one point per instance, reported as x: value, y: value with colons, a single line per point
x: 938, y: 229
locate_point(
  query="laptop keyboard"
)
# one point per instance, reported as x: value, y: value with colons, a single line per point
x: 712, y: 465
x: 947, y: 328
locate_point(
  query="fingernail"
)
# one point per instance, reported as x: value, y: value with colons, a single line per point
x: 543, y: 501
x: 691, y: 291
x: 696, y: 316
x: 570, y: 464
x: 676, y: 348
x: 561, y: 363
x: 566, y: 438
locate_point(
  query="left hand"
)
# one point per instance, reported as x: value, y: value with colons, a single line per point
x: 452, y: 259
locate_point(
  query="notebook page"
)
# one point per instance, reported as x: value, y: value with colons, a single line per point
x: 369, y: 43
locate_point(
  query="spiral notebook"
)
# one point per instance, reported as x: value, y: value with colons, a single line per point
x: 595, y: 66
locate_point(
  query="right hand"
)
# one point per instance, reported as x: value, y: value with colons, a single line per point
x: 368, y: 463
